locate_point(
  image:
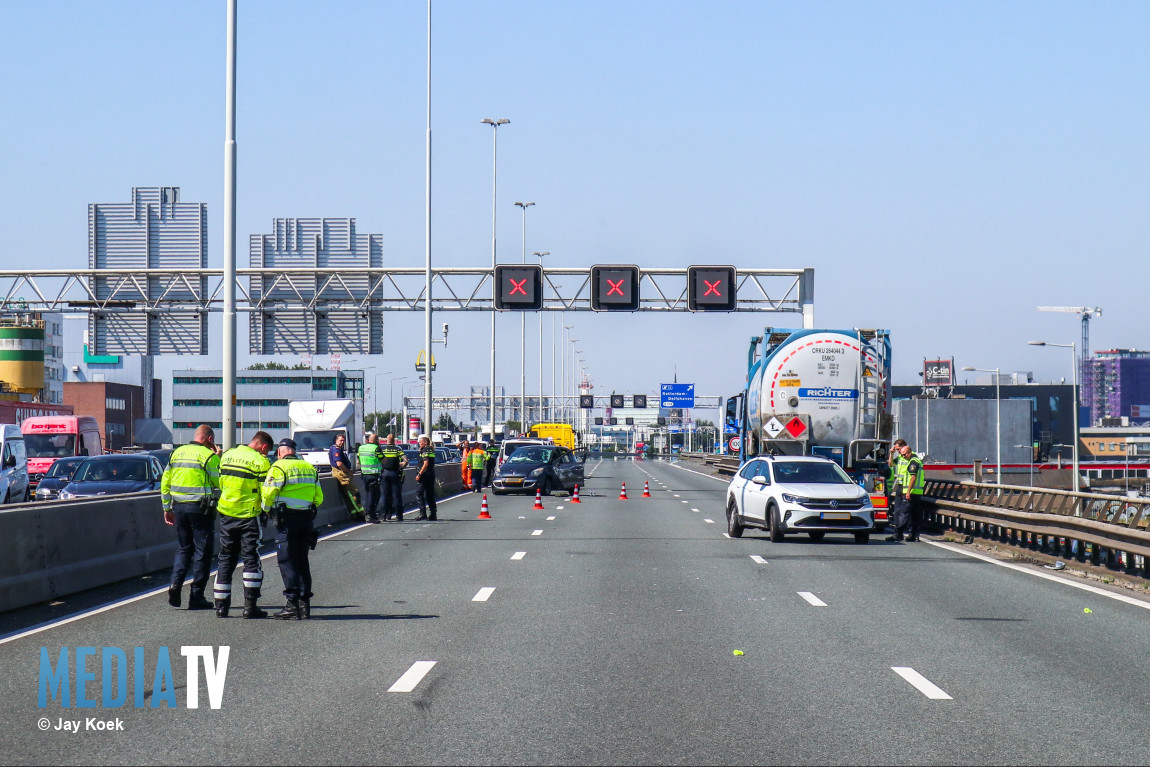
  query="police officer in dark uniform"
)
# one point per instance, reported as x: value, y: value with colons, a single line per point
x: 242, y: 472
x: 292, y: 495
x: 425, y: 477
x: 394, y: 462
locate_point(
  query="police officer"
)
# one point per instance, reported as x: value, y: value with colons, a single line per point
x: 370, y: 465
x: 292, y: 495
x: 425, y: 477
x: 187, y: 492
x: 477, y: 460
x: 242, y: 472
x: 894, y: 460
x: 394, y: 462
x: 909, y: 486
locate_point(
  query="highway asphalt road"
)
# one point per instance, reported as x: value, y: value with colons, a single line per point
x: 606, y: 633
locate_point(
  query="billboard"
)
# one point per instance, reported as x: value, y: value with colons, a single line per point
x: 938, y: 372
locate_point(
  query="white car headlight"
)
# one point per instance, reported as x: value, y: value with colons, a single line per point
x: 795, y: 499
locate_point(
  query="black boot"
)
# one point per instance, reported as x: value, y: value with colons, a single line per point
x: 290, y: 611
x: 222, y: 607
x: 196, y: 601
x: 252, y: 610
x: 174, y: 594
x: 304, y: 609
x: 422, y: 516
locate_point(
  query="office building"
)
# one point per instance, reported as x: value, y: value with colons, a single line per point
x: 1116, y: 385
x: 262, y: 398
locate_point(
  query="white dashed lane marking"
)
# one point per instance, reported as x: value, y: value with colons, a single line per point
x: 920, y: 683
x: 812, y: 599
x: 709, y: 521
x: 757, y: 559
x: 483, y: 594
x: 519, y: 555
x: 537, y: 532
x: 412, y: 676
x: 694, y: 509
x: 549, y: 519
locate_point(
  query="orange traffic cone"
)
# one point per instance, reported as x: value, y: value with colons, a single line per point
x: 538, y: 500
x: 483, y: 509
x: 646, y: 489
x: 623, y: 492
x: 575, y: 497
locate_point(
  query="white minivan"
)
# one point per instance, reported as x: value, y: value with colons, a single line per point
x: 13, y: 465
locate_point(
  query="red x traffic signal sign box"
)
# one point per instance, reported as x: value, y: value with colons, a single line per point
x: 614, y: 287
x: 519, y: 287
x: 711, y: 288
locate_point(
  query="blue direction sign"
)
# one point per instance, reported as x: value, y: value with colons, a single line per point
x: 677, y: 395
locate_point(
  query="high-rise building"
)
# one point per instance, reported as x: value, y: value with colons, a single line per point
x: 152, y: 231
x: 315, y: 243
x: 1116, y: 384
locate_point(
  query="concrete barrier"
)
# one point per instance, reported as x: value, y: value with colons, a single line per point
x: 52, y: 550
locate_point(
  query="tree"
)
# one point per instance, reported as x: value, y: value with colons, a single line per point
x: 382, y: 423
x: 446, y: 423
x: 273, y: 365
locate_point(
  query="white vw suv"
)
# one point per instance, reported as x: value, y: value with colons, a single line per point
x: 797, y: 494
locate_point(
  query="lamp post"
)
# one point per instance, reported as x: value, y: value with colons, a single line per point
x: 1031, y: 449
x: 565, y: 371
x: 494, y: 288
x: 541, y: 254
x: 523, y: 334
x: 1073, y: 347
x: 391, y: 397
x: 997, y: 420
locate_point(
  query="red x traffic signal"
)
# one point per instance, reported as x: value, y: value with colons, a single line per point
x: 614, y: 287
x: 519, y: 287
x: 711, y: 288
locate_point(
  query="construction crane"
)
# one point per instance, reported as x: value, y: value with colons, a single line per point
x: 1085, y: 312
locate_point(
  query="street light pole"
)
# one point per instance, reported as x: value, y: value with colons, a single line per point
x: 1073, y: 347
x: 541, y: 254
x: 523, y: 334
x: 427, y: 411
x: 494, y: 288
x: 997, y: 420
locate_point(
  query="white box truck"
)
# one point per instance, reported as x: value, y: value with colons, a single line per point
x: 314, y: 425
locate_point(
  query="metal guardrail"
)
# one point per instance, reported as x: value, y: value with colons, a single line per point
x: 1103, y: 529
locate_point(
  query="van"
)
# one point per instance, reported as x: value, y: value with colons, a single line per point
x: 14, y: 485
x: 49, y: 437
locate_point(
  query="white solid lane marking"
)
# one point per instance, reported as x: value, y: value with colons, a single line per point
x: 756, y: 558
x: 921, y: 683
x: 550, y: 518
x: 412, y: 676
x: 812, y: 599
x: 483, y: 594
x: 519, y: 555
x: 709, y: 521
x: 1055, y: 578
x: 537, y: 532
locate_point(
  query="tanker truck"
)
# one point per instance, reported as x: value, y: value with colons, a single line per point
x: 823, y: 393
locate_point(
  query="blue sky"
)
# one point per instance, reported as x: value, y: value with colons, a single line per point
x: 944, y: 167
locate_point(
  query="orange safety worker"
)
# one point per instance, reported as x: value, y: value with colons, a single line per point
x: 478, y: 460
x: 464, y: 449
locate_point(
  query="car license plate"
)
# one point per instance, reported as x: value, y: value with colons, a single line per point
x: 836, y: 515
x: 514, y: 480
